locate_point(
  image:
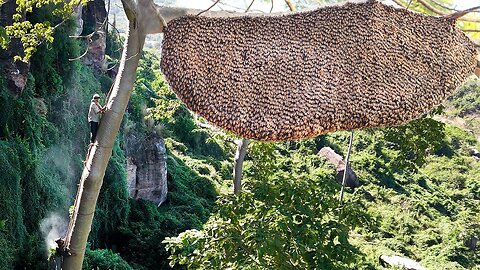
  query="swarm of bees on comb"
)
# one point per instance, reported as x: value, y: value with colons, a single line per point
x: 287, y: 77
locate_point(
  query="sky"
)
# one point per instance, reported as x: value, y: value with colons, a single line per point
x: 465, y: 4
x: 279, y: 5
x: 238, y: 5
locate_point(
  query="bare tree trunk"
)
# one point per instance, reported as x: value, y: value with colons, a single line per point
x: 100, y: 153
x: 242, y: 146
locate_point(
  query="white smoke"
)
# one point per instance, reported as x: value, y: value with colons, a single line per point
x: 53, y: 227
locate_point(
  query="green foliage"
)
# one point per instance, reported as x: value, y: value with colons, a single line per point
x: 43, y: 142
x: 419, y: 183
x: 33, y: 34
x: 166, y: 105
x: 463, y: 108
x: 136, y: 229
x: 11, y: 211
x: 418, y: 209
x: 152, y: 98
x: 416, y: 140
x: 288, y: 218
x: 52, y: 69
x: 104, y: 259
x: 466, y: 100
x: 112, y: 207
x: 189, y: 202
x: 40, y: 173
x: 114, y: 47
x: 4, y: 38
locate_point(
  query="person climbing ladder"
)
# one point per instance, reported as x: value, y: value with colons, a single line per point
x: 94, y: 115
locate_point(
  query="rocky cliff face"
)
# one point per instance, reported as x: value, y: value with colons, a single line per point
x: 94, y: 17
x: 146, y: 167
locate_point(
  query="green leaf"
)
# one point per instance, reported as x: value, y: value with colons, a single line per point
x: 4, y: 39
x: 3, y: 224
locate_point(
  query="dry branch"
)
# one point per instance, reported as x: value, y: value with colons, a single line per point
x: 291, y: 5
x: 435, y: 10
x: 203, y: 11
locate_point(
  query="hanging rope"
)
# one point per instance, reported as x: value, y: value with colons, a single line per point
x: 346, y: 168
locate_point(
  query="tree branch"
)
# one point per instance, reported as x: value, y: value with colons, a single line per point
x: 439, y: 12
x: 248, y: 8
x: 460, y: 14
x: 409, y: 3
x: 81, y: 56
x: 291, y: 6
x: 129, y: 8
x: 89, y: 38
x: 443, y: 6
x: 214, y: 4
x: 431, y: 8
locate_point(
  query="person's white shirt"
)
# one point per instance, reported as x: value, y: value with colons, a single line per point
x: 94, y: 112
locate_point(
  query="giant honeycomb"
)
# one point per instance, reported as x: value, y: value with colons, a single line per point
x: 286, y: 77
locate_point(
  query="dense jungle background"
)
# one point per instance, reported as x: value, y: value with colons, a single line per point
x: 419, y: 195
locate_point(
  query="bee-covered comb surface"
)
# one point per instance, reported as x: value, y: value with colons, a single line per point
x: 296, y: 76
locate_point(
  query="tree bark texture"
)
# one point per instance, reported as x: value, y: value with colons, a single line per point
x: 242, y: 146
x: 101, y: 151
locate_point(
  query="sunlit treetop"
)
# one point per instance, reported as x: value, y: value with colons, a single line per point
x: 34, y: 34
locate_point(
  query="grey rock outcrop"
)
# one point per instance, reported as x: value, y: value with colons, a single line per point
x: 337, y: 160
x: 77, y: 17
x: 94, y: 16
x: 146, y: 167
x: 472, y: 243
x: 475, y: 154
x: 403, y: 263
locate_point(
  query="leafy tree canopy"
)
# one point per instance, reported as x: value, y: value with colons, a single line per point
x: 288, y: 218
x: 33, y: 34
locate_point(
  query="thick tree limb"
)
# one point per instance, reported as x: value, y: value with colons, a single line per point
x: 100, y: 152
x: 169, y: 13
x: 130, y: 8
x: 150, y: 20
x: 431, y: 8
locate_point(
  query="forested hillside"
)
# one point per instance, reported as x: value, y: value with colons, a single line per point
x: 419, y: 195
